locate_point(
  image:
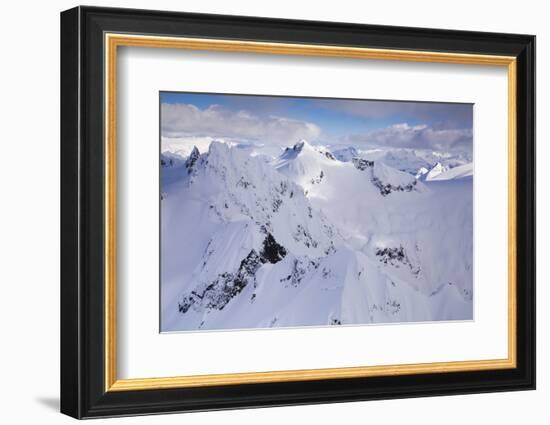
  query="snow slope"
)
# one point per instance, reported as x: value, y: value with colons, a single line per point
x: 436, y: 170
x: 346, y: 154
x: 412, y: 161
x: 462, y: 171
x: 309, y: 240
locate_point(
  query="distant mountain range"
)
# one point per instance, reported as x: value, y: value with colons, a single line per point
x: 314, y: 236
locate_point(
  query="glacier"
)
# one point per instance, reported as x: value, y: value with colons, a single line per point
x: 313, y: 236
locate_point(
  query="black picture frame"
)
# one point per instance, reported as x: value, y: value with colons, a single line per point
x: 83, y: 392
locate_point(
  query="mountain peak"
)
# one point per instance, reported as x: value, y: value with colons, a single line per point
x: 345, y: 154
x: 435, y: 171
x: 304, y: 240
x: 293, y: 152
x: 217, y: 147
x: 194, y: 152
x: 192, y: 159
x: 301, y: 145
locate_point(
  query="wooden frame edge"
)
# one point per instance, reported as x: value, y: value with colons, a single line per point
x: 114, y: 40
x: 137, y: 384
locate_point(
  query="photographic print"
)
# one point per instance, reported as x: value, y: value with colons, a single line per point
x: 292, y: 211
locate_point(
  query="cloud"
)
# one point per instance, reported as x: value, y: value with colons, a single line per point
x: 444, y: 115
x: 419, y: 137
x: 216, y: 121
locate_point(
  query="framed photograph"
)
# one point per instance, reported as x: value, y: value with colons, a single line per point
x: 261, y: 212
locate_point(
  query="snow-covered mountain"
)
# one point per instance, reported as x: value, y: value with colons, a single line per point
x: 345, y: 154
x: 310, y: 238
x: 458, y: 172
x: 405, y: 160
x: 411, y: 161
x: 435, y: 171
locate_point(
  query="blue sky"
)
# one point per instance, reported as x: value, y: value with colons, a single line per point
x: 362, y: 123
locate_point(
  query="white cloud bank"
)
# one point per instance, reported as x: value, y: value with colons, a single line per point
x: 179, y: 120
x: 419, y: 136
x: 456, y: 115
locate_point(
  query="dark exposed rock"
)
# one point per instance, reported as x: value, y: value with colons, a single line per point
x: 243, y: 183
x: 329, y: 155
x: 297, y: 147
x: 299, y: 269
x: 226, y: 286
x: 395, y: 257
x: 388, y: 254
x: 282, y: 188
x: 221, y: 290
x: 276, y: 204
x: 193, y: 157
x: 318, y: 179
x: 302, y: 235
x: 249, y: 265
x: 331, y: 249
x: 272, y: 252
x: 166, y: 162
x: 392, y: 306
x: 362, y: 164
x: 386, y: 189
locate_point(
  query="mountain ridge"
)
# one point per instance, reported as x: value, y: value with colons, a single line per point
x: 302, y: 240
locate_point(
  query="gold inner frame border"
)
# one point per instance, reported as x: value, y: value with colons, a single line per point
x: 111, y: 43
